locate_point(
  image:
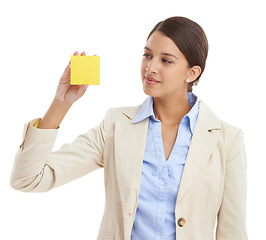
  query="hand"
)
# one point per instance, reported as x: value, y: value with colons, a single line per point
x: 67, y: 93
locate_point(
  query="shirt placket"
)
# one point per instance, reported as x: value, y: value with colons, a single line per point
x: 162, y: 173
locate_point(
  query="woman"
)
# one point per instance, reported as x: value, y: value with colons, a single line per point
x: 171, y: 166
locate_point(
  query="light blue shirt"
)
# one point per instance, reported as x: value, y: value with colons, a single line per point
x: 160, y: 179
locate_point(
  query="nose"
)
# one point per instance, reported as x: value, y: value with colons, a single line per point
x: 151, y: 67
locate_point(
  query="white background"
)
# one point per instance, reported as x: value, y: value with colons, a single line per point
x: 37, y: 39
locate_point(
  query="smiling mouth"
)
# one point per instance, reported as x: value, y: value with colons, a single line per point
x: 151, y: 81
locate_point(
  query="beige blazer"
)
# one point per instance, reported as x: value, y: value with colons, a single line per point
x: 213, y: 184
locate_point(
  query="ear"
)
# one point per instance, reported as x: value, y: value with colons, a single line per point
x: 193, y: 73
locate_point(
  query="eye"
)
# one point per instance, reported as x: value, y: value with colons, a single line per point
x: 146, y: 55
x: 166, y: 61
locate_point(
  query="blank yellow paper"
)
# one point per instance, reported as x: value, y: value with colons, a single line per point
x: 85, y: 70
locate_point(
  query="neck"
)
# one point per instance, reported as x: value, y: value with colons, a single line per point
x: 171, y: 110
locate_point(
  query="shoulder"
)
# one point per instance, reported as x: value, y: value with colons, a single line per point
x: 211, y: 121
x: 230, y: 137
x: 121, y: 113
x: 114, y: 115
x: 229, y: 128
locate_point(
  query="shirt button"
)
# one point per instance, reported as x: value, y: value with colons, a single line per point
x: 164, y: 187
x: 159, y: 238
x: 181, y: 222
x: 161, y: 210
x: 155, y: 172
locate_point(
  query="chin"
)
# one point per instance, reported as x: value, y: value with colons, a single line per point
x: 150, y: 92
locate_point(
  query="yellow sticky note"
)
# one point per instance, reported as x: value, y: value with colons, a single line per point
x: 85, y: 70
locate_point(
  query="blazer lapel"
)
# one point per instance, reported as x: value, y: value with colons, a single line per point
x: 130, y: 141
x: 203, y: 143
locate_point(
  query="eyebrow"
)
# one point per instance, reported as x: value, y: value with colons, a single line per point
x: 167, y: 54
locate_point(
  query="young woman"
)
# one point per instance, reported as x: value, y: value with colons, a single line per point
x: 171, y: 166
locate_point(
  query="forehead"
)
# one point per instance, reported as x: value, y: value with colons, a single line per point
x: 158, y: 42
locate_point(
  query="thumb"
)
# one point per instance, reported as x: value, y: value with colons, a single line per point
x: 85, y: 86
x: 66, y: 72
x: 82, y: 89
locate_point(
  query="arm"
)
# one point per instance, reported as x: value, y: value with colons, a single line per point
x: 37, y: 169
x: 231, y: 221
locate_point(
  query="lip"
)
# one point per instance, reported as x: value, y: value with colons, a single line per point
x: 150, y: 81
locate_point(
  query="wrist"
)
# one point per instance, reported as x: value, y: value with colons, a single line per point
x: 54, y: 115
x: 61, y: 104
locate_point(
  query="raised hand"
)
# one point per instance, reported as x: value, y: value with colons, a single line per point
x: 67, y: 93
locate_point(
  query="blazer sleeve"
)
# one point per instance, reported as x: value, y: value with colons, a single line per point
x: 37, y: 169
x: 231, y: 219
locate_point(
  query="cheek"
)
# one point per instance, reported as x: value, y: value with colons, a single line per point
x: 143, y: 67
x: 177, y: 74
x: 173, y: 78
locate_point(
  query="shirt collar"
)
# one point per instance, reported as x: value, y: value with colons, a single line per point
x: 146, y: 110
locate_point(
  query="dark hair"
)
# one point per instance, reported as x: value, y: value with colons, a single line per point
x: 189, y: 37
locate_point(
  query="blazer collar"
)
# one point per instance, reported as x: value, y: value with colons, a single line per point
x: 146, y: 111
x: 206, y: 116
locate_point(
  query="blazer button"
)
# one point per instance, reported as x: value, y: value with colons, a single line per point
x: 181, y: 222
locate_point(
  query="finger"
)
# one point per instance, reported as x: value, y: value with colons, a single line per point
x: 75, y: 53
x: 83, y: 53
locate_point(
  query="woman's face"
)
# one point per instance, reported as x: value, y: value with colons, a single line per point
x: 164, y: 68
